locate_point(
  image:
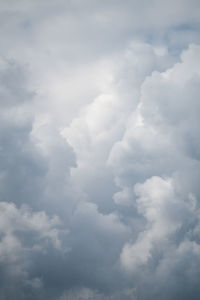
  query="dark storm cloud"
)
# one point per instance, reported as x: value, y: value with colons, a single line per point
x: 99, y: 150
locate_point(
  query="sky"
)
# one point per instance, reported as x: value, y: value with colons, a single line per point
x: 99, y: 150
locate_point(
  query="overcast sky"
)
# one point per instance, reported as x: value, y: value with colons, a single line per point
x: 99, y: 150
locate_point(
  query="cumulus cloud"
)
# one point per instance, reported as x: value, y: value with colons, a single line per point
x: 156, y: 145
x: 99, y: 150
x: 166, y: 214
x: 147, y: 151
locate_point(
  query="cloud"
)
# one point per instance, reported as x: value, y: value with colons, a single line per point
x: 99, y: 150
x: 152, y: 149
x: 166, y: 214
x: 155, y: 140
x: 23, y: 233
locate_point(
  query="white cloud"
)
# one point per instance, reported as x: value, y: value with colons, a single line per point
x: 14, y: 221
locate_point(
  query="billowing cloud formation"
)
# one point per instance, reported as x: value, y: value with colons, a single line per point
x: 99, y: 150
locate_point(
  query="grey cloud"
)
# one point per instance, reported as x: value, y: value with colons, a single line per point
x: 21, y: 164
x: 155, y: 144
x: 17, y: 248
x: 42, y: 254
x: 99, y: 150
x: 60, y: 30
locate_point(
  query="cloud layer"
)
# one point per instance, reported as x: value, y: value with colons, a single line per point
x: 99, y: 150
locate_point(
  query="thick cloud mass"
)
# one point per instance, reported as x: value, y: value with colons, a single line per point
x: 99, y: 150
